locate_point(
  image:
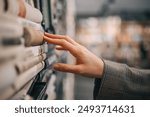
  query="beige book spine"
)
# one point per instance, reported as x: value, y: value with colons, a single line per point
x: 33, y: 51
x: 21, y: 94
x: 33, y: 37
x: 11, y: 52
x: 27, y: 64
x: 21, y: 81
x: 8, y: 74
x: 33, y: 14
x: 10, y: 27
x: 28, y: 75
x: 22, y: 9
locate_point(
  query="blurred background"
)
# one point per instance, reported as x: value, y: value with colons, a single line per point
x: 117, y: 30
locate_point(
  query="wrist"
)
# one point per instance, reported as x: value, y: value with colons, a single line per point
x: 101, y: 68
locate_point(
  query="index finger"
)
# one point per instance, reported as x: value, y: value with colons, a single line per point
x: 68, y: 46
x: 67, y: 38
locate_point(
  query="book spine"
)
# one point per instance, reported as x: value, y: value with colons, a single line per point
x: 11, y: 41
x: 10, y: 52
x: 33, y: 14
x: 33, y: 37
x: 10, y: 27
x: 22, y: 9
x: 12, y: 7
x: 32, y: 61
x: 34, y: 51
x: 21, y: 94
x: 7, y: 74
x: 50, y: 61
x: 21, y: 81
x: 1, y: 6
x: 26, y: 23
x: 28, y: 75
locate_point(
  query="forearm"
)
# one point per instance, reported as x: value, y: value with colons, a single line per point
x: 122, y: 82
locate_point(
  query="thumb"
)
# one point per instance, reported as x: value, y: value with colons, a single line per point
x: 66, y: 67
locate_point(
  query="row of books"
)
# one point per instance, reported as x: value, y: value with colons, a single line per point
x: 20, y: 8
x: 23, y: 53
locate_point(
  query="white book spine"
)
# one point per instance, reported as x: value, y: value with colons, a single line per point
x: 25, y: 22
x: 10, y: 27
x: 1, y: 6
x: 22, y: 66
x: 28, y: 75
x: 22, y: 80
x: 13, y: 7
x: 33, y: 14
x: 33, y: 37
x: 33, y: 51
x: 11, y: 52
x: 7, y: 74
x: 21, y: 94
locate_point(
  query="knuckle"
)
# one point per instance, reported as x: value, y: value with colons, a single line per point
x: 80, y: 69
x: 67, y: 38
x: 63, y: 42
x: 80, y: 50
x: 76, y: 51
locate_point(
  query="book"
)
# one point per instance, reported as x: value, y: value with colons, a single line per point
x: 28, y: 75
x: 33, y: 14
x: 25, y: 22
x: 34, y: 51
x: 21, y: 81
x: 11, y: 41
x: 33, y: 37
x: 10, y: 27
x: 22, y: 9
x: 19, y: 52
x: 50, y: 61
x: 37, y: 90
x: 11, y: 6
x: 22, y: 93
x: 1, y: 6
x: 7, y: 74
x: 45, y: 47
x: 31, y: 2
x: 10, y: 52
x: 22, y: 66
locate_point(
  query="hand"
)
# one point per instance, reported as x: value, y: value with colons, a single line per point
x: 87, y: 64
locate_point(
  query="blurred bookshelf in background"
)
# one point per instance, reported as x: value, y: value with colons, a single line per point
x: 115, y: 39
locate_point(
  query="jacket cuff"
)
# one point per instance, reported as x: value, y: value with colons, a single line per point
x: 119, y: 82
x: 111, y: 86
x: 110, y: 81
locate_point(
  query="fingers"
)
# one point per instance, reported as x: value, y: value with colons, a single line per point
x: 54, y: 41
x: 54, y: 36
x: 60, y: 48
x: 67, y: 68
x: 60, y: 37
x: 63, y: 43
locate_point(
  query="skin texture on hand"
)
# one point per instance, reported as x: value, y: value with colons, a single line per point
x: 87, y: 64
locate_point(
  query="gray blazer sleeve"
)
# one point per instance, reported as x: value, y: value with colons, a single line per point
x: 122, y: 82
